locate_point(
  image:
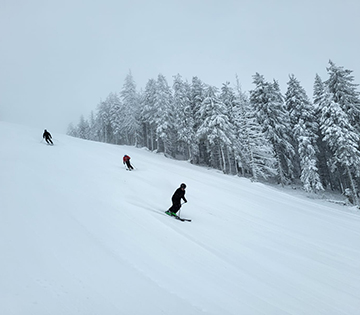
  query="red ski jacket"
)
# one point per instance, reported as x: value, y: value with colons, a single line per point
x: 126, y: 158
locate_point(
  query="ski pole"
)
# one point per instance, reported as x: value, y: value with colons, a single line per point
x: 180, y: 208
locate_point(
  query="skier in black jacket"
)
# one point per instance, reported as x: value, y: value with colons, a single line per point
x: 176, y: 200
x: 47, y: 137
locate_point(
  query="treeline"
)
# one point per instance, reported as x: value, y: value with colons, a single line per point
x: 263, y: 134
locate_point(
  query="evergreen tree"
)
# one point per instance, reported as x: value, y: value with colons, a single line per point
x: 72, y: 130
x: 229, y: 99
x: 343, y: 141
x: 343, y: 90
x: 93, y: 127
x: 164, y: 118
x: 253, y: 152
x: 271, y: 114
x: 196, y: 99
x: 298, y: 105
x: 104, y: 120
x: 184, y: 121
x: 116, y: 118
x: 323, y: 153
x: 147, y: 115
x: 302, y: 122
x: 83, y: 128
x: 319, y: 90
x: 130, y: 101
x: 307, y: 155
x: 215, y: 131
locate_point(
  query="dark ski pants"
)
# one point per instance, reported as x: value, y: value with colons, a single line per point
x: 48, y: 140
x: 175, y: 207
x: 129, y: 165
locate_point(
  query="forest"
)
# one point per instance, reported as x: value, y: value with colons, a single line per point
x: 260, y: 134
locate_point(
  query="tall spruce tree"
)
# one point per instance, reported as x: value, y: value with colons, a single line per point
x: 215, y: 131
x: 83, y: 128
x: 323, y: 153
x: 196, y: 98
x: 344, y: 92
x: 164, y: 117
x: 343, y: 141
x: 183, y: 118
x: 71, y: 130
x: 253, y: 152
x: 104, y: 120
x: 130, y: 102
x: 309, y: 177
x: 230, y: 101
x: 272, y: 115
x: 147, y: 115
x: 302, y: 122
x: 116, y: 118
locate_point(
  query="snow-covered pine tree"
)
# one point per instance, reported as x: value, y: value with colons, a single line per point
x: 323, y: 153
x: 319, y: 90
x: 83, y: 129
x: 268, y: 103
x: 183, y: 118
x: 72, y: 130
x: 104, y: 120
x: 309, y: 177
x: 130, y: 102
x: 215, y: 131
x: 343, y: 141
x: 254, y: 153
x: 116, y: 118
x: 164, y: 117
x: 147, y: 115
x: 343, y: 90
x: 302, y: 122
x: 299, y: 105
x: 196, y: 99
x: 93, y: 127
x: 229, y: 99
x: 240, y: 122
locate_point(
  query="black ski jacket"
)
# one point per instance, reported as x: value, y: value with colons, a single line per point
x: 46, y: 134
x: 178, y: 194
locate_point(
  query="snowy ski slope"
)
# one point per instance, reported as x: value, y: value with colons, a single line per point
x: 81, y: 235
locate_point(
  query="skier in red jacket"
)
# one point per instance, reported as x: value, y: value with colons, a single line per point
x: 126, y: 159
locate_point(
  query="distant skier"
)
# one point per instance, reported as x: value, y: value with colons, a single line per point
x: 47, y: 137
x: 126, y: 160
x: 176, y: 200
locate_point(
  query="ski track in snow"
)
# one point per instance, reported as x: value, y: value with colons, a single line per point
x: 81, y: 235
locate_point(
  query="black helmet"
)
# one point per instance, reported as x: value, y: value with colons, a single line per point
x: 183, y: 186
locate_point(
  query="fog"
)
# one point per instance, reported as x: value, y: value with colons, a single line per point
x: 58, y: 59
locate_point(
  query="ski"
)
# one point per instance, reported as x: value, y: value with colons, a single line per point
x: 183, y: 219
x: 177, y: 217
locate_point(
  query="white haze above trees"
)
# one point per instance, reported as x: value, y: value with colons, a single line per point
x: 263, y: 134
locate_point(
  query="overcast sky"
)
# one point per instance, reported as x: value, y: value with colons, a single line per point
x: 59, y: 58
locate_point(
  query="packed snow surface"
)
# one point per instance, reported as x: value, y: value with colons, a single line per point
x: 79, y: 234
